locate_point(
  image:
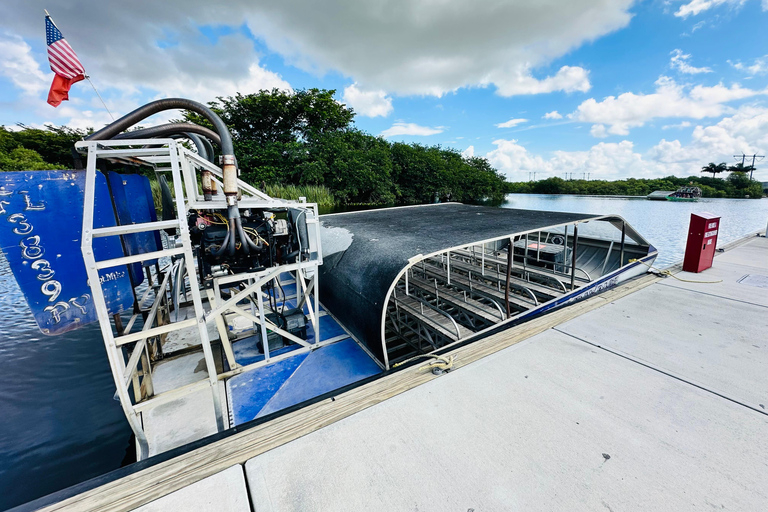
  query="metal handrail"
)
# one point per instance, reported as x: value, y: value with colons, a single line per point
x: 430, y: 306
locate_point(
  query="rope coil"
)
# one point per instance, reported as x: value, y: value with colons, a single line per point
x: 440, y: 363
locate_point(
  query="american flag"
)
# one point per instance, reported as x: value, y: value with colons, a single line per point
x: 62, y: 57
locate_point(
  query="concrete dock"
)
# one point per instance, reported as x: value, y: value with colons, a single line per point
x: 654, y: 400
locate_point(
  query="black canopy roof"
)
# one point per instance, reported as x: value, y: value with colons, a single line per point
x: 365, y: 251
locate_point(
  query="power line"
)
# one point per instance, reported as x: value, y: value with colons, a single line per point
x: 755, y: 157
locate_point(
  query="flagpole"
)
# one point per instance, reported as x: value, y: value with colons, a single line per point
x: 86, y: 76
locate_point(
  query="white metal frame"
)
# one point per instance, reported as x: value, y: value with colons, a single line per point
x: 165, y: 155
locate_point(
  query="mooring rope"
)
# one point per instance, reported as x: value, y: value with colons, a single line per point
x: 440, y: 362
x: 666, y: 273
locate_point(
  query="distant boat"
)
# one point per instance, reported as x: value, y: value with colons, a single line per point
x: 686, y: 194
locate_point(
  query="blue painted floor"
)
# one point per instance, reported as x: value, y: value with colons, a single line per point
x: 295, y: 379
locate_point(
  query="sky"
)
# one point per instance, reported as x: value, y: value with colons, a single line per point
x: 604, y: 89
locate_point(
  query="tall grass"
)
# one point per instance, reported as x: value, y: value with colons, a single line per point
x: 314, y: 193
x: 156, y: 197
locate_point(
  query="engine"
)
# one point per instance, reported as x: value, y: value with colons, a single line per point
x: 279, y: 238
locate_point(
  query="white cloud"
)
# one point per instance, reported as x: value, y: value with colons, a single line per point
x: 759, y: 67
x: 128, y: 66
x: 469, y: 152
x: 511, y: 123
x: 678, y: 126
x: 746, y: 130
x: 367, y: 103
x: 20, y: 67
x: 604, y: 161
x: 401, y: 46
x: 567, y: 79
x: 400, y: 128
x: 680, y: 61
x: 630, y: 110
x: 553, y: 115
x: 598, y: 131
x: 695, y: 7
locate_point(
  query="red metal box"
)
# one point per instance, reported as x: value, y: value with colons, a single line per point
x: 702, y: 240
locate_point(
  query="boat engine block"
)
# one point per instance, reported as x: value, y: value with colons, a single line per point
x: 277, y: 235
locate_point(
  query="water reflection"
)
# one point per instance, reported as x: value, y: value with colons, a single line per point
x: 663, y: 223
x: 59, y: 424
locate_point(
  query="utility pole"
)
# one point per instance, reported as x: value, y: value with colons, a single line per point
x: 755, y: 157
x: 753, y: 164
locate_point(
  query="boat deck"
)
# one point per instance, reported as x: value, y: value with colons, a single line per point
x: 290, y: 380
x: 656, y: 400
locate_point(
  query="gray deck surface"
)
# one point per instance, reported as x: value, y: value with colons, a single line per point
x: 224, y: 491
x: 655, y: 401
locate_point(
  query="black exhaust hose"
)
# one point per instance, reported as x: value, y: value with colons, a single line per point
x: 234, y: 215
x: 209, y: 148
x: 166, y: 130
x: 198, y: 142
x: 154, y: 107
x: 253, y: 245
x: 218, y: 252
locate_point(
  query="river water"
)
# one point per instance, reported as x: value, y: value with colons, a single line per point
x: 663, y: 223
x: 59, y: 424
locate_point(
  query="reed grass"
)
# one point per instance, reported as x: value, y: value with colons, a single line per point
x: 314, y: 193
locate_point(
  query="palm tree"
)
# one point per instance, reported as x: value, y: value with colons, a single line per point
x: 715, y: 168
x: 740, y: 167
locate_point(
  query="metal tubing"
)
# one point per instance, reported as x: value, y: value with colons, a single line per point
x: 194, y: 285
x: 509, y: 274
x: 573, y: 255
x: 114, y: 354
x: 607, y: 257
x: 623, y: 237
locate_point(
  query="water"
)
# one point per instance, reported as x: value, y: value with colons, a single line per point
x: 59, y: 424
x: 663, y: 223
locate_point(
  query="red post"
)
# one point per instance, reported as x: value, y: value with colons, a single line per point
x: 702, y: 241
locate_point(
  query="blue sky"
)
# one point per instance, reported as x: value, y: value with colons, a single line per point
x: 612, y: 88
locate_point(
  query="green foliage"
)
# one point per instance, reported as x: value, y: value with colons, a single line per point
x: 54, y: 144
x: 22, y: 159
x: 736, y: 185
x: 740, y: 168
x: 715, y: 168
x: 307, y: 138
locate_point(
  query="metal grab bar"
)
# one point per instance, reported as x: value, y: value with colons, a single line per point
x: 607, y: 257
x: 493, y: 301
x: 483, y: 296
x: 430, y: 306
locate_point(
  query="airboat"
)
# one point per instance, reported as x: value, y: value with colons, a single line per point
x: 227, y: 305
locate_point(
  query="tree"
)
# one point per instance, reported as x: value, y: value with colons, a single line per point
x: 53, y: 145
x: 715, y: 168
x: 22, y: 159
x: 741, y: 168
